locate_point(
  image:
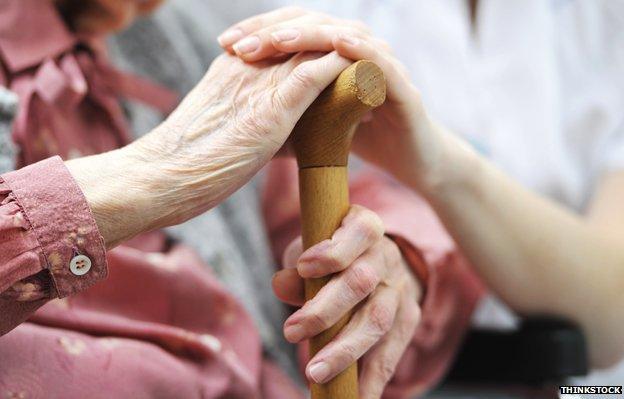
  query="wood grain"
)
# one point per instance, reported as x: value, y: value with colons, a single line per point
x: 322, y: 137
x: 321, y: 140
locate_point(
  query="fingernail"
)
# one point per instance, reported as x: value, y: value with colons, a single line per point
x: 294, y: 333
x: 319, y: 372
x: 285, y: 35
x: 247, y: 45
x: 349, y: 39
x: 230, y: 36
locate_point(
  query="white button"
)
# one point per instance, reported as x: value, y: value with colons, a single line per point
x: 80, y: 265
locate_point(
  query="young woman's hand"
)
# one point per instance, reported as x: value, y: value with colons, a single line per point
x: 371, y: 276
x: 398, y: 136
x: 229, y: 126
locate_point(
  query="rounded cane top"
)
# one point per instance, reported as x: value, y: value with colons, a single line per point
x: 322, y: 137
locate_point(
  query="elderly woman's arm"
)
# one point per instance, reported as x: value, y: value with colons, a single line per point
x: 230, y: 125
x: 56, y: 218
x: 537, y: 255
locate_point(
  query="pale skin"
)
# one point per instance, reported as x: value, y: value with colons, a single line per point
x: 538, y: 256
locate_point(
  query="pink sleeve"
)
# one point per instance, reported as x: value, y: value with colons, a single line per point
x: 452, y: 292
x: 45, y: 222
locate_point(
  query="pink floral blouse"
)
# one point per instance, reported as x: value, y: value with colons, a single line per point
x: 147, y: 320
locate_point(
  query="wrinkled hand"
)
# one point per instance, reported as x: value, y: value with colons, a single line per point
x: 399, y: 137
x: 371, y: 277
x: 230, y: 125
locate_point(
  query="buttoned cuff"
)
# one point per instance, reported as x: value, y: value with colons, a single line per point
x: 61, y: 219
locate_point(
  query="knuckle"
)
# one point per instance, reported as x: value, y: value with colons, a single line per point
x: 381, y: 319
x: 392, y: 252
x: 368, y: 222
x: 361, y: 281
x: 317, y: 321
x: 347, y: 352
x: 304, y: 76
x: 331, y: 260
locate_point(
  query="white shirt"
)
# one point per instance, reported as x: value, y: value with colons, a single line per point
x: 538, y: 89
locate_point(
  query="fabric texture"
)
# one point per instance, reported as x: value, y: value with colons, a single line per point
x: 39, y: 241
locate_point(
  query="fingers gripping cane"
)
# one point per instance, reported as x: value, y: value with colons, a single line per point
x: 321, y: 140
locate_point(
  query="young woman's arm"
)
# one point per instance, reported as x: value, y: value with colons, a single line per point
x: 536, y: 255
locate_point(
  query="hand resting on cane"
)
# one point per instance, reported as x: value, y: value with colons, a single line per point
x: 227, y: 128
x: 370, y: 272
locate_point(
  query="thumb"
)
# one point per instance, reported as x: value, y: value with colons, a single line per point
x: 287, y: 284
x: 288, y: 287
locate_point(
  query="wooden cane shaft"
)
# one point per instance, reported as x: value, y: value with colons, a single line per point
x: 324, y: 203
x: 321, y: 140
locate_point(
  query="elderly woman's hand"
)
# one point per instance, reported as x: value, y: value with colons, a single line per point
x: 223, y: 132
x: 370, y: 276
x: 399, y: 137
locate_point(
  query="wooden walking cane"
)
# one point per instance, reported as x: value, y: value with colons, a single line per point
x: 321, y: 140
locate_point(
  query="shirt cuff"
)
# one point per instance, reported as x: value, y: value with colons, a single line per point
x: 415, y: 260
x: 61, y: 219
